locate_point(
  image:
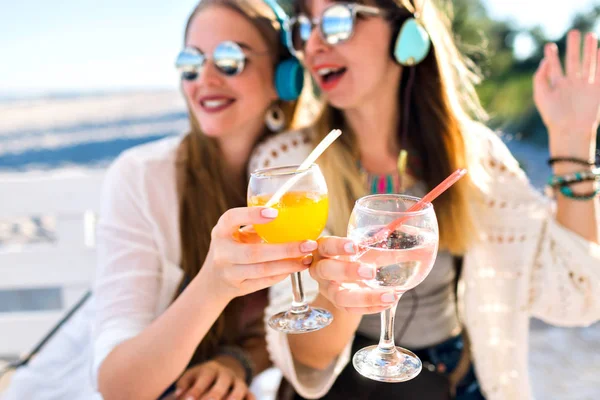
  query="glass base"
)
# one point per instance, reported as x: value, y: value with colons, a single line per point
x: 394, y: 366
x: 310, y: 320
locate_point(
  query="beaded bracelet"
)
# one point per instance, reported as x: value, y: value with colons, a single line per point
x: 241, y: 356
x: 568, y: 192
x: 581, y: 176
x: 573, y: 160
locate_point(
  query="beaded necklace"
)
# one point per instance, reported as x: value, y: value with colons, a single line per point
x: 394, y: 182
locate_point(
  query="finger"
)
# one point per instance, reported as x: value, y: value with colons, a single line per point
x: 341, y: 271
x: 250, y: 396
x: 331, y: 246
x: 541, y: 79
x: 555, y: 71
x: 573, y: 61
x: 238, y: 391
x: 272, y: 268
x: 360, y: 298
x: 590, y: 53
x: 247, y: 234
x: 243, y: 253
x: 201, y: 384
x: 232, y: 219
x: 366, y: 310
x: 254, y: 285
x: 185, y: 382
x: 597, y: 80
x: 220, y: 388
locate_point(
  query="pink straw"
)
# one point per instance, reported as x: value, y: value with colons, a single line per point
x: 383, y: 234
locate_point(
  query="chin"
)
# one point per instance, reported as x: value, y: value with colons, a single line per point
x: 341, y: 102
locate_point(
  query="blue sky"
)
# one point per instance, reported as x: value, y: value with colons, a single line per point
x: 108, y: 44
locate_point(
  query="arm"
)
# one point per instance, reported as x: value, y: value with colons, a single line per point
x: 127, y: 292
x: 134, y: 352
x: 570, y: 107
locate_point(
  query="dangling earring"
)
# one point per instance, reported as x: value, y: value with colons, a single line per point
x: 275, y: 119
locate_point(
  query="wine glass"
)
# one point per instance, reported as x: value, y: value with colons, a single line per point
x: 402, y: 260
x: 303, y: 211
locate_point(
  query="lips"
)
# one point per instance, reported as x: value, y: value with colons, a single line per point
x: 329, y: 75
x: 213, y: 104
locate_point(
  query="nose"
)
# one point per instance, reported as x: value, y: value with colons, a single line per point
x: 209, y: 75
x: 315, y: 44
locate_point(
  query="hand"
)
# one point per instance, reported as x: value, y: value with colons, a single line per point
x: 341, y: 279
x: 570, y: 103
x: 218, y: 379
x: 238, y: 263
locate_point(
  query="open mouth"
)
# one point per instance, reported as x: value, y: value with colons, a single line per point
x: 330, y: 76
x: 215, y: 104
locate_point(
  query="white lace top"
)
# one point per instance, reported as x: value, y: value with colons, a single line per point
x: 524, y: 264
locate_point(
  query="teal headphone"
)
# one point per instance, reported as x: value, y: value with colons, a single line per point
x: 289, y: 74
x: 412, y: 44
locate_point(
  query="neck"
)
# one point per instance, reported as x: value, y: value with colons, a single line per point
x: 236, y: 151
x: 375, y: 125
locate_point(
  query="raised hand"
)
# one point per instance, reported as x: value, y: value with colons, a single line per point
x: 569, y: 101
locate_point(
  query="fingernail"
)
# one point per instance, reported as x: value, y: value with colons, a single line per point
x: 309, y: 245
x: 366, y: 272
x: 307, y: 260
x: 388, y: 297
x: 350, y: 248
x: 269, y: 212
x: 190, y: 398
x: 178, y: 392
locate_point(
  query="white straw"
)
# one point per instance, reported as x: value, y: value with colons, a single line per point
x: 312, y: 157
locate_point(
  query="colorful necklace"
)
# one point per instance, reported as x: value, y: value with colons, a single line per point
x: 391, y: 183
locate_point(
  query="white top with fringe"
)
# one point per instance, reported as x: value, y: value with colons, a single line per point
x: 525, y: 264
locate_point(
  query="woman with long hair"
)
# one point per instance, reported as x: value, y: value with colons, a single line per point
x: 178, y: 285
x: 396, y: 84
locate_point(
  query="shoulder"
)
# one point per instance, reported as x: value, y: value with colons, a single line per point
x: 487, y: 151
x: 145, y: 159
x: 285, y: 148
x: 138, y: 169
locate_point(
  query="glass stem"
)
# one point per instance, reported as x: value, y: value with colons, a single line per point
x: 386, y: 340
x: 299, y: 302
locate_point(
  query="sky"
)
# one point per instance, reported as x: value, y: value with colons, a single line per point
x: 88, y: 45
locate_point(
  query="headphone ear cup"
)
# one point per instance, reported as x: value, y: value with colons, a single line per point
x: 412, y: 44
x: 289, y: 79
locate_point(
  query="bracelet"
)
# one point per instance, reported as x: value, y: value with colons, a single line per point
x: 573, y: 160
x: 568, y: 192
x: 581, y: 176
x: 241, y: 356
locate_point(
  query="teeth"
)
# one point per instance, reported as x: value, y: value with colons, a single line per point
x: 214, y: 103
x: 325, y: 71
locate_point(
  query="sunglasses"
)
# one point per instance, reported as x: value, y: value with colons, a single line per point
x: 228, y: 57
x: 336, y: 24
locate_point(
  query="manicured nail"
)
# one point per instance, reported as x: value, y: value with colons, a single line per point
x: 308, y: 246
x: 269, y: 212
x: 366, y: 272
x: 307, y: 260
x: 388, y: 297
x: 350, y: 248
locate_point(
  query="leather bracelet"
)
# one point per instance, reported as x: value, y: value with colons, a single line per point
x: 573, y: 160
x: 242, y: 357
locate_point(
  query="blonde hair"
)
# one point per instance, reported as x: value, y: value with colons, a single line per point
x: 200, y: 165
x: 447, y: 101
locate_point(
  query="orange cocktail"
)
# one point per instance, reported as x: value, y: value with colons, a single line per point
x: 302, y: 216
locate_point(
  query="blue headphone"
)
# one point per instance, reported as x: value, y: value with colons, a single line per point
x: 289, y: 74
x: 412, y: 43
